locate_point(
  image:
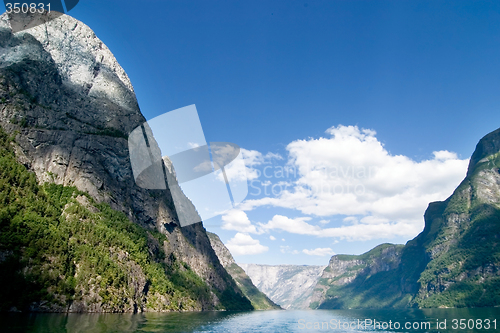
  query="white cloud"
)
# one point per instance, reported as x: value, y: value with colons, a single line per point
x: 232, y: 159
x: 270, y: 156
x: 205, y: 166
x: 324, y: 221
x: 253, y: 158
x: 351, y: 220
x: 294, y: 226
x: 272, y: 238
x: 238, y: 220
x: 242, y: 168
x: 444, y: 155
x: 244, y: 244
x: 364, y: 230
x: 288, y: 250
x: 349, y: 172
x: 319, y: 252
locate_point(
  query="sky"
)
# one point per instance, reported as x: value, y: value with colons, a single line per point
x: 352, y: 115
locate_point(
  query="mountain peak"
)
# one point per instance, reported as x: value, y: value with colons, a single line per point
x: 71, y: 107
x: 487, y: 146
x: 83, y: 61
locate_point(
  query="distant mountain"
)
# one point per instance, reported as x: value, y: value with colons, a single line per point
x: 290, y: 286
x: 346, y: 278
x: 453, y: 262
x: 76, y: 232
x: 259, y: 300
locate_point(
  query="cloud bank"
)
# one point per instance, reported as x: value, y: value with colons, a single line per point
x: 349, y: 173
x: 244, y: 244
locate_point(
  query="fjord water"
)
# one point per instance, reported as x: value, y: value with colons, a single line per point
x: 258, y: 321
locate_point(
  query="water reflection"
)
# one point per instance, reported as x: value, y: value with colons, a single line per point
x: 256, y: 321
x: 108, y: 322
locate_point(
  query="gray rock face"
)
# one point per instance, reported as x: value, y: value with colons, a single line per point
x: 73, y: 106
x: 225, y: 257
x: 344, y: 269
x: 337, y: 271
x: 489, y: 145
x: 68, y: 89
x: 83, y: 62
x: 259, y: 300
x: 461, y: 234
x: 290, y: 286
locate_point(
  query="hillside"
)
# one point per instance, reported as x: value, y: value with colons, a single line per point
x: 453, y: 262
x: 77, y: 233
x: 290, y: 286
x: 343, y: 283
x: 259, y: 300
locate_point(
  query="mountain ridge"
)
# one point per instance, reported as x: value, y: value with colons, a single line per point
x: 453, y: 262
x: 290, y: 286
x: 259, y: 300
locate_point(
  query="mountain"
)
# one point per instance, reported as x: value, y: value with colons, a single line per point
x: 259, y: 300
x: 344, y: 280
x: 76, y: 232
x: 453, y: 262
x: 290, y: 286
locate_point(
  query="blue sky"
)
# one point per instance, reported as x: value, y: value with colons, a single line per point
x: 407, y: 87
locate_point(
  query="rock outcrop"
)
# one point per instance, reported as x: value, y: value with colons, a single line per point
x: 72, y: 106
x: 345, y: 274
x: 259, y: 300
x: 460, y: 241
x: 290, y: 286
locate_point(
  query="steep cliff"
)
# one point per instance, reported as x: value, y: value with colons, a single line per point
x: 290, y: 286
x: 454, y: 262
x: 259, y: 300
x: 461, y: 237
x: 343, y: 282
x: 71, y: 106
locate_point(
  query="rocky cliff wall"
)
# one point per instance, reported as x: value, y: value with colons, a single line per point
x: 344, y: 271
x: 259, y: 300
x: 72, y: 106
x: 453, y: 262
x: 290, y: 286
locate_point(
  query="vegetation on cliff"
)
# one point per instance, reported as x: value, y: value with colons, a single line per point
x: 259, y: 300
x: 58, y: 247
x: 454, y: 262
x: 354, y: 281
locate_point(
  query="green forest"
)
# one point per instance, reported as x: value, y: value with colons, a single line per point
x: 53, y: 249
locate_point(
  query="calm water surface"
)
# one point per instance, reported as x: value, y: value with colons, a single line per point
x: 456, y: 320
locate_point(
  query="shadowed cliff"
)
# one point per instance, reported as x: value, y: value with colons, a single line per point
x: 69, y: 107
